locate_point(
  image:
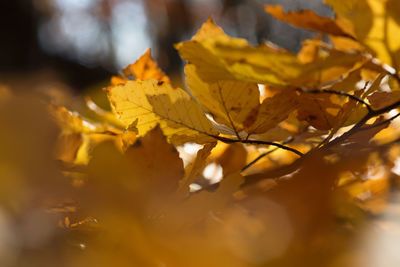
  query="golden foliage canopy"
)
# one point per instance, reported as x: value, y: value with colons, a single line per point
x: 266, y: 158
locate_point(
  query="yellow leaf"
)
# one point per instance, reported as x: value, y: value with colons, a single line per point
x: 192, y: 171
x: 348, y: 83
x: 375, y: 24
x: 208, y: 30
x: 345, y: 43
x: 102, y: 114
x: 67, y: 147
x: 70, y: 122
x: 220, y: 57
x: 310, y: 50
x: 376, y: 84
x: 144, y: 68
x: 145, y: 104
x: 78, y: 136
x: 229, y: 102
x: 351, y: 112
x: 208, y: 49
x: 150, y: 166
x: 306, y: 19
x: 328, y: 67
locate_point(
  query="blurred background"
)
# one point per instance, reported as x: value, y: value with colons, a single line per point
x: 78, y: 43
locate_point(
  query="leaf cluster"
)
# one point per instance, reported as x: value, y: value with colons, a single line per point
x: 265, y: 158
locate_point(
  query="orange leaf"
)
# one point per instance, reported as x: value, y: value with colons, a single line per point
x: 306, y: 19
x: 144, y: 68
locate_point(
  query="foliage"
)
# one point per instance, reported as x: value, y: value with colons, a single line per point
x: 306, y: 143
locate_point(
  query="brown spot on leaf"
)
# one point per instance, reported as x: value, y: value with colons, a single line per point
x: 251, y: 118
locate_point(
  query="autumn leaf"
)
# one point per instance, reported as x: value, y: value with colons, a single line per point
x: 349, y: 83
x: 233, y: 158
x: 145, y: 104
x: 78, y: 135
x: 192, y: 171
x: 272, y: 111
x: 346, y: 44
x: 229, y: 102
x: 220, y: 57
x: 304, y: 145
x: 375, y: 24
x: 212, y: 66
x: 306, y: 19
x: 318, y: 111
x: 144, y: 68
x: 310, y: 50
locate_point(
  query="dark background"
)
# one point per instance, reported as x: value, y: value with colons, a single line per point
x: 84, y: 42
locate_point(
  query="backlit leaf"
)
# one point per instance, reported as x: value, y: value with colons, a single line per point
x: 220, y: 57
x: 375, y: 24
x: 229, y: 102
x: 144, y: 68
x: 145, y: 104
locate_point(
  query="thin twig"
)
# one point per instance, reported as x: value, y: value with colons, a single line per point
x: 341, y: 93
x: 264, y: 154
x: 360, y: 123
x: 258, y: 158
x: 379, y: 123
x: 257, y: 142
